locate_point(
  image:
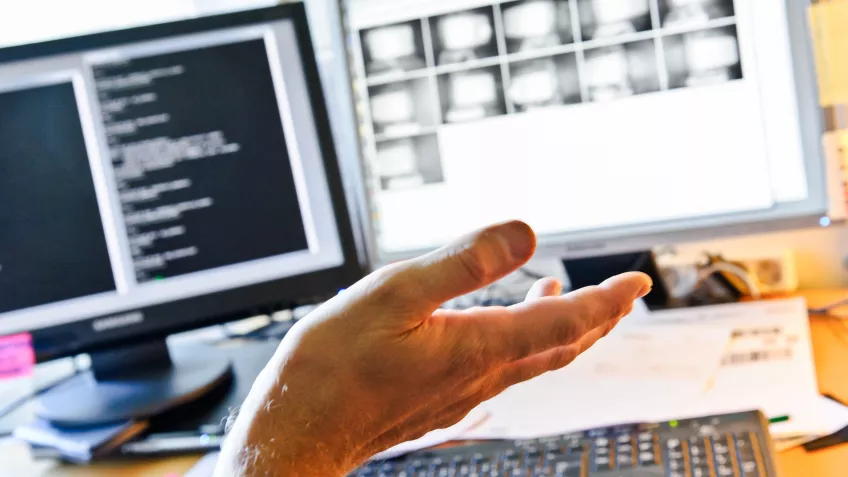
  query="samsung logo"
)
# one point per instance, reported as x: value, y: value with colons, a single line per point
x: 585, y: 247
x: 118, y: 321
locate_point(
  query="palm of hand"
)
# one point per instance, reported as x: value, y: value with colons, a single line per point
x: 380, y: 364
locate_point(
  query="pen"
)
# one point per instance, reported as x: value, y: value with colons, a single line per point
x: 779, y: 419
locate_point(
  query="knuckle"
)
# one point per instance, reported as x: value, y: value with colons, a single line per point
x: 570, y: 329
x: 391, y: 284
x: 562, y: 357
x: 608, y: 329
x: 473, y: 264
x: 616, y: 308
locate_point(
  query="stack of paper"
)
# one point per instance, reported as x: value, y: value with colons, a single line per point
x: 627, y: 377
x: 672, y: 365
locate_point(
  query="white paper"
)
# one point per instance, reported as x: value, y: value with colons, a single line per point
x: 827, y: 416
x: 660, y: 352
x: 765, y: 357
x: 768, y: 366
x: 631, y: 376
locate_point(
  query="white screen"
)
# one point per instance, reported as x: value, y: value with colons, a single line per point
x: 574, y: 115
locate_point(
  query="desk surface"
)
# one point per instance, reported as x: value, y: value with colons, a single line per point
x: 830, y: 345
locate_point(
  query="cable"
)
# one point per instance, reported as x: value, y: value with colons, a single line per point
x: 17, y: 403
x: 838, y: 328
x: 827, y: 309
x: 739, y: 272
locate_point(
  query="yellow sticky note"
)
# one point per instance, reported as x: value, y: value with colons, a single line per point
x: 828, y: 21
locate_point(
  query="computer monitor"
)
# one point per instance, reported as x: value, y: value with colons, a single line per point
x: 608, y: 125
x: 160, y: 179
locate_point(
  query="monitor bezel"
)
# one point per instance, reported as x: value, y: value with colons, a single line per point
x: 159, y: 321
x: 782, y: 217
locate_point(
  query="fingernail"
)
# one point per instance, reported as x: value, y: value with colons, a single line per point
x: 645, y: 291
x: 520, y: 239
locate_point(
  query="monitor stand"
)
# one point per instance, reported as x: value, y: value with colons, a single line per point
x: 584, y: 272
x: 135, y: 382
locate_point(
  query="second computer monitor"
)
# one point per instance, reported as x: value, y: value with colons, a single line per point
x: 605, y: 124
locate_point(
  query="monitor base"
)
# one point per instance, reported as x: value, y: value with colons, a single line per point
x: 135, y: 383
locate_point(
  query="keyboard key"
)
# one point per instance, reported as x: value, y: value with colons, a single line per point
x: 570, y: 473
x: 749, y: 469
x: 746, y: 448
x: 699, y: 461
x: 647, y: 458
x: 532, y: 450
x: 700, y: 472
x: 540, y: 470
x: 624, y: 460
x: 724, y: 471
x: 672, y: 444
x: 646, y: 437
x: 564, y: 466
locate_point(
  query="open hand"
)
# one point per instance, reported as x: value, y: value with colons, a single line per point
x: 380, y: 364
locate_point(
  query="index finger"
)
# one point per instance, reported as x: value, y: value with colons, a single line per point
x: 534, y: 327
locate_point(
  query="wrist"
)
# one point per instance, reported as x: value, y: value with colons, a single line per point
x: 277, y: 434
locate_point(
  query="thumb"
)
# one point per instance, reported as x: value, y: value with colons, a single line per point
x: 470, y: 263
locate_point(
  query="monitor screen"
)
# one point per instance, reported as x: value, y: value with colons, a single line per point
x: 589, y: 119
x: 166, y: 176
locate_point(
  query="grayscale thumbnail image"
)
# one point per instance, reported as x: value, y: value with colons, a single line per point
x: 403, y: 108
x: 464, y: 36
x: 472, y: 95
x: 688, y: 13
x: 620, y: 71
x: 409, y: 163
x: 600, y: 19
x: 544, y: 82
x: 703, y: 57
x: 393, y: 48
x: 533, y: 24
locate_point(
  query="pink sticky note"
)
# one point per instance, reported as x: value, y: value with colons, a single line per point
x: 17, y: 356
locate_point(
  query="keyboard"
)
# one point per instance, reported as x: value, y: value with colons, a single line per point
x: 732, y: 445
